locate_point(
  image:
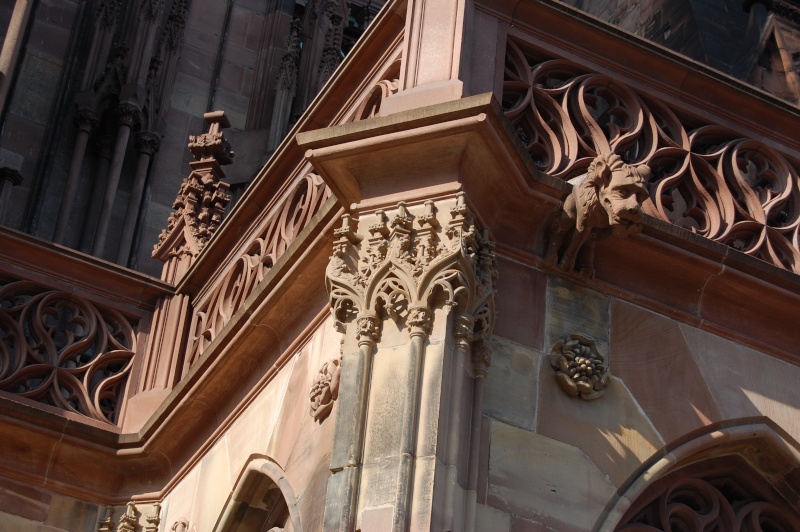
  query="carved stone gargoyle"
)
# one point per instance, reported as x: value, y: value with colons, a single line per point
x: 608, y: 201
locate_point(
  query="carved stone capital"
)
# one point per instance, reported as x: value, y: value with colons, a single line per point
x: 581, y: 371
x: 481, y: 359
x: 147, y: 142
x: 463, y: 330
x: 129, y: 115
x: 415, y: 258
x: 86, y: 119
x: 368, y: 330
x: 419, y: 321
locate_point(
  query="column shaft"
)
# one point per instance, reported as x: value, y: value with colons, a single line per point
x: 111, y: 189
x: 73, y: 177
x: 146, y: 144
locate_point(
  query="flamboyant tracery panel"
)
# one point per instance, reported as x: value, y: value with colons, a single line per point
x: 720, y: 494
x: 287, y: 217
x: 706, y: 178
x: 62, y: 350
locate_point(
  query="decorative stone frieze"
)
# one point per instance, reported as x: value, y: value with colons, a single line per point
x: 287, y: 76
x: 325, y: 389
x: 331, y: 51
x: 407, y: 262
x: 59, y: 349
x: 581, y: 371
x: 705, y: 178
x: 608, y: 201
x: 176, y: 22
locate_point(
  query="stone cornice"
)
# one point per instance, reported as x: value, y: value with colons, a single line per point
x: 100, y: 281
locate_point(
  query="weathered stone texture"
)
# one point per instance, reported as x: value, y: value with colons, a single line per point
x: 533, y: 476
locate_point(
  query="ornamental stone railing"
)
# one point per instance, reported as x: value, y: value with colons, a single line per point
x: 706, y: 178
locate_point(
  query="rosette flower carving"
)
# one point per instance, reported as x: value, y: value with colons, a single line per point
x: 581, y: 370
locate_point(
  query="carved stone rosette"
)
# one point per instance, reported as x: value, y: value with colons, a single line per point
x: 581, y: 371
x: 407, y: 264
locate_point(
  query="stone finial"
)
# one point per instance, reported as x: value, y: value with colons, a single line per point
x: 203, y: 195
x: 608, y: 201
x: 581, y: 371
x: 213, y: 145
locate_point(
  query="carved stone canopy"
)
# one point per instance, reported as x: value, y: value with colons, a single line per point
x: 413, y: 259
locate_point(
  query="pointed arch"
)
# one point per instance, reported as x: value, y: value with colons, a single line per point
x: 753, y: 454
x: 261, y: 499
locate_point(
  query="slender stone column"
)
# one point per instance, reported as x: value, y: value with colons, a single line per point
x: 462, y: 333
x: 419, y: 322
x: 129, y: 117
x: 104, y: 147
x: 11, y: 47
x: 481, y: 359
x: 86, y: 120
x: 404, y: 410
x: 147, y: 144
x: 9, y: 177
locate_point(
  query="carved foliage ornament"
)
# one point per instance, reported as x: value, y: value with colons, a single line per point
x: 290, y: 213
x: 325, y: 389
x: 203, y: 196
x: 407, y: 264
x: 707, y: 179
x: 61, y: 350
x: 581, y: 371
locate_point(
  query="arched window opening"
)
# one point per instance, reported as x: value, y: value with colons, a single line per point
x: 724, y: 493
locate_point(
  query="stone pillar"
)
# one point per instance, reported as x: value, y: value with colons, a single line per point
x: 129, y: 117
x: 9, y: 177
x: 105, y: 148
x: 432, y: 55
x: 86, y: 120
x: 147, y: 144
x: 12, y: 46
x: 416, y: 297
